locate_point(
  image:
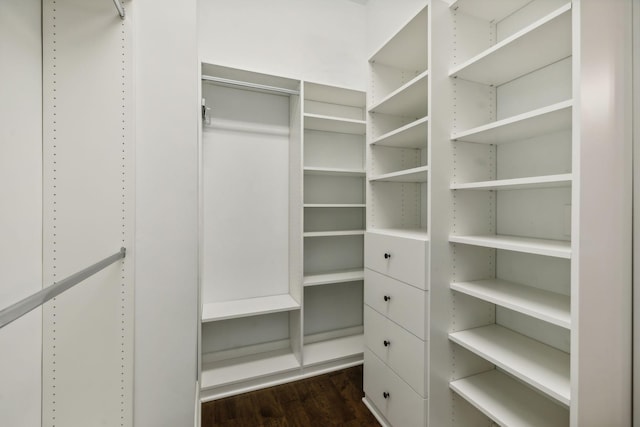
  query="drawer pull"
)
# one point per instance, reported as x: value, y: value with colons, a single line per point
x: 387, y: 255
x: 387, y: 298
x: 386, y: 343
x: 385, y: 395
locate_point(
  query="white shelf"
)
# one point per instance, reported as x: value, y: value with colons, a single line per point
x: 408, y: 100
x: 335, y: 205
x: 335, y: 349
x: 488, y: 10
x: 212, y: 312
x: 333, y: 233
x: 248, y: 367
x: 342, y: 276
x: 513, y: 58
x: 418, y: 234
x: 552, y: 248
x: 406, y: 49
x: 509, y: 403
x: 413, y: 135
x: 541, y: 121
x: 334, y: 124
x: 334, y: 95
x: 539, y: 365
x: 547, y: 181
x: 334, y: 171
x: 544, y: 305
x: 418, y: 174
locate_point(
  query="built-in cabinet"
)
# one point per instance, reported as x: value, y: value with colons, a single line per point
x: 282, y: 227
x: 396, y: 373
x: 334, y: 222
x: 445, y: 232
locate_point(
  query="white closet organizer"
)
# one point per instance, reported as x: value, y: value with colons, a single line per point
x: 334, y: 223
x: 282, y: 225
x: 251, y: 196
x: 396, y: 243
x: 511, y: 177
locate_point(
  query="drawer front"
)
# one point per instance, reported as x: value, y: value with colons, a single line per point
x: 399, y: 257
x: 402, y: 406
x: 402, y: 351
x: 402, y: 303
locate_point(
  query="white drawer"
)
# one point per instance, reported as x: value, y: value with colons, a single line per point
x: 399, y: 404
x: 402, y: 351
x: 399, y: 257
x: 402, y: 303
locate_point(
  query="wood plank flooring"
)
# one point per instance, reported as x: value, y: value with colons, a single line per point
x: 333, y: 399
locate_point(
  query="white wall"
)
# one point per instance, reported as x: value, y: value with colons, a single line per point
x: 316, y: 40
x: 166, y: 212
x: 385, y: 17
x: 21, y: 212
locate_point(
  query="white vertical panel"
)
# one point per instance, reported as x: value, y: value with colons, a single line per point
x: 167, y: 108
x: 21, y: 212
x: 601, y: 224
x: 636, y: 213
x: 88, y: 188
x: 88, y: 213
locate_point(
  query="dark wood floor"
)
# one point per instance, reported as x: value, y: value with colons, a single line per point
x: 333, y: 399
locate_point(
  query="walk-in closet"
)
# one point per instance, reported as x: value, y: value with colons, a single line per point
x: 396, y: 213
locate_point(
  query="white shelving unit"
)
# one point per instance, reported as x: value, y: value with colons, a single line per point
x: 510, y: 206
x: 397, y: 241
x: 508, y: 184
x: 251, y: 290
x: 334, y: 215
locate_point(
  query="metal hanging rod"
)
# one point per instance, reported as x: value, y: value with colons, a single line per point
x: 250, y: 85
x: 24, y: 306
x: 120, y: 8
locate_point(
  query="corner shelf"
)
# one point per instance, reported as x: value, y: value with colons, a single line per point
x: 417, y: 175
x: 509, y: 403
x: 334, y: 349
x: 546, y: 181
x: 537, y: 122
x: 342, y: 276
x: 408, y: 100
x: 334, y: 124
x: 540, y: 304
x: 512, y: 58
x: 539, y: 365
x: 413, y: 135
x: 333, y: 233
x: 552, y: 248
x: 212, y: 312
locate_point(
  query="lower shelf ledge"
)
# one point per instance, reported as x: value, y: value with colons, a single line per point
x: 333, y: 349
x: 240, y: 369
x: 508, y: 402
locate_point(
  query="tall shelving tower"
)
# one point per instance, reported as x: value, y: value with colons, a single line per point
x: 519, y: 314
